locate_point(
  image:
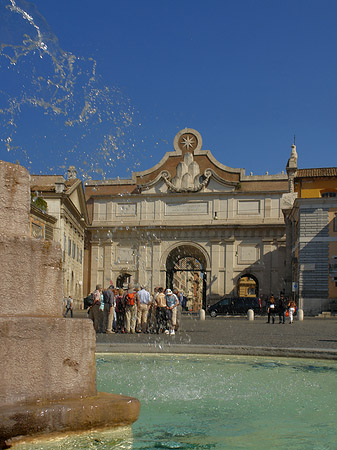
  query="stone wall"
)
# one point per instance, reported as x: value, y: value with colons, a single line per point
x: 39, y: 357
x: 43, y: 360
x: 14, y: 199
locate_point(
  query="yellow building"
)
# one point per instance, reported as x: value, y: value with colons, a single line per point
x: 316, y: 183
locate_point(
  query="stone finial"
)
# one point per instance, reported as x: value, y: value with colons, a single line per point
x: 71, y: 173
x: 292, y: 162
x: 292, y: 167
x: 293, y: 153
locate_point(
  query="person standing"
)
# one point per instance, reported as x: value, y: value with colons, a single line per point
x: 69, y: 306
x: 120, y: 312
x: 109, y: 310
x: 151, y: 321
x: 291, y: 309
x: 143, y: 301
x: 176, y: 315
x: 271, y: 309
x: 95, y: 312
x: 160, y: 305
x: 130, y: 301
x: 171, y: 303
x: 282, y: 309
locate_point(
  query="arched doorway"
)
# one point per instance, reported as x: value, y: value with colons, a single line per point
x: 248, y: 286
x: 186, y: 271
x: 123, y: 280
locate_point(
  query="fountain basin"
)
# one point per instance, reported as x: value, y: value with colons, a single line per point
x: 216, y: 402
x: 103, y: 410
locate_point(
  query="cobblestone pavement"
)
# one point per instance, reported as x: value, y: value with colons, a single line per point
x: 312, y: 333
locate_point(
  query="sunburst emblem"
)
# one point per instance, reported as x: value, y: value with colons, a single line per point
x: 188, y: 142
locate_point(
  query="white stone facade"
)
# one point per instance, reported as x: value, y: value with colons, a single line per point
x: 189, y: 204
x: 66, y: 203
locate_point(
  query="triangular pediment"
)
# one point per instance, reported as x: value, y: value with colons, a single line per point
x: 74, y: 197
x: 77, y: 197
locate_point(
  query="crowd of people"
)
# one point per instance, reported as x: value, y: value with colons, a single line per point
x: 135, y: 310
x: 282, y: 308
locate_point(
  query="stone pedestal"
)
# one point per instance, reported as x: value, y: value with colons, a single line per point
x: 48, y: 377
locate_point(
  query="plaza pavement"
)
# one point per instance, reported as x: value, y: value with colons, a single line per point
x: 312, y: 338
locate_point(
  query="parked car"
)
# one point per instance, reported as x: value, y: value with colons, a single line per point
x: 235, y: 305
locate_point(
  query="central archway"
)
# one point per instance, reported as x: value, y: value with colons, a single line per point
x: 186, y: 270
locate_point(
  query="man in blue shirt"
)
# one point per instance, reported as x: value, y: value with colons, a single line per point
x: 143, y: 302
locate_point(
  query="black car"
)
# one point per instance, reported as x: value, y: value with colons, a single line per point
x: 235, y: 305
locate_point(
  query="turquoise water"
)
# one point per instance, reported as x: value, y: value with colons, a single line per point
x: 218, y: 402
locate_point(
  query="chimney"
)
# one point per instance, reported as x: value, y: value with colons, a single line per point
x: 59, y: 187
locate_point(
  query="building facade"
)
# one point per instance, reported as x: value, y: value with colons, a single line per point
x: 192, y: 221
x: 66, y: 204
x: 312, y: 239
x: 41, y: 224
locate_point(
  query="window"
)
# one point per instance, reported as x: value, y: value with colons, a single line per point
x: 69, y: 246
x: 225, y: 302
x: 37, y: 230
x: 74, y: 250
x: 81, y: 256
x: 335, y: 223
x: 328, y: 194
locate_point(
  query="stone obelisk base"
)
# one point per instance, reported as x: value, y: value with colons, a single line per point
x: 48, y: 372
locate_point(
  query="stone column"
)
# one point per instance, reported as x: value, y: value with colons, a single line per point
x: 107, y: 264
x: 215, y: 266
x: 156, y: 269
x: 229, y: 265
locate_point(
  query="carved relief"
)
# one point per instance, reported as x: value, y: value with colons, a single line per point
x: 188, y: 177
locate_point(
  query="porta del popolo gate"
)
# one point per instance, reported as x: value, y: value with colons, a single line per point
x: 189, y: 222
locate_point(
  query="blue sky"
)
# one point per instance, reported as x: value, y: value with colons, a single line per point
x: 247, y: 75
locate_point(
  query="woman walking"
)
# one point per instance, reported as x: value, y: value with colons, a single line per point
x: 291, y: 309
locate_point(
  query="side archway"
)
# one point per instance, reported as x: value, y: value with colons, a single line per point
x: 248, y: 286
x: 123, y: 280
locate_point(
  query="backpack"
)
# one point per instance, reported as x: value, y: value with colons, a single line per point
x: 130, y: 299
